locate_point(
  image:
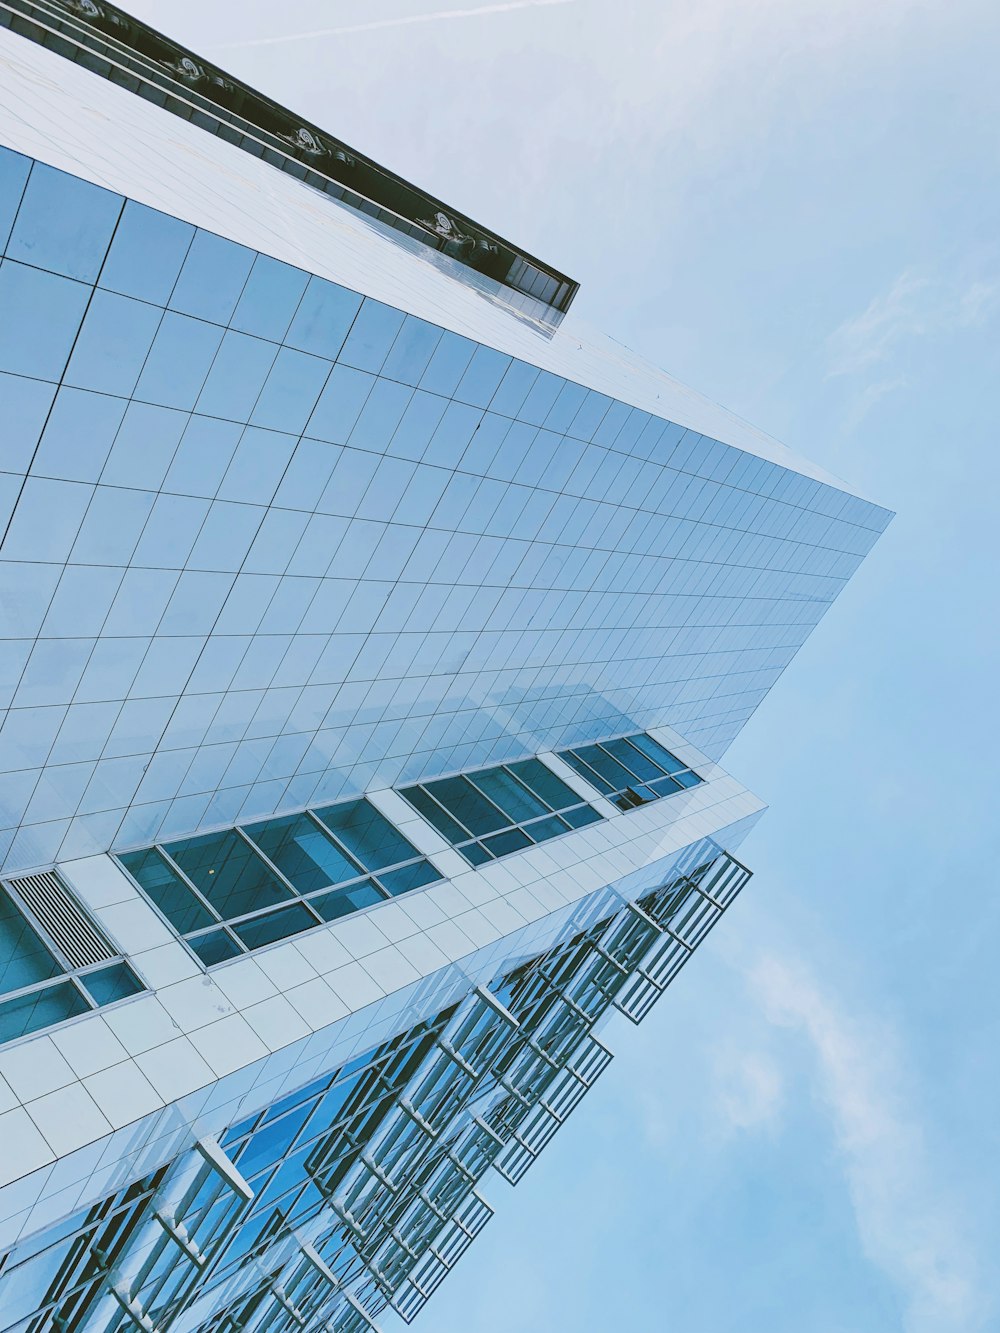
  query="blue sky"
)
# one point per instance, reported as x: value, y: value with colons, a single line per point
x: 793, y: 206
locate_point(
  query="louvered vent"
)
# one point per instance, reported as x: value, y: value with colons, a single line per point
x: 58, y: 911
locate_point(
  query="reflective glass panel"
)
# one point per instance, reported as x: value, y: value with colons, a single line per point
x: 303, y: 852
x: 492, y: 812
x: 366, y: 834
x: 631, y: 770
x: 24, y: 959
x: 229, y: 873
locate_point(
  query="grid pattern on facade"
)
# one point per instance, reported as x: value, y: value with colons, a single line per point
x: 360, y: 1190
x: 494, y: 811
x: 233, y: 891
x: 631, y: 770
x: 268, y: 543
x: 54, y: 963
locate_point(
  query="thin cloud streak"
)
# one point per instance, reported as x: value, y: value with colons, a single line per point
x: 914, y: 306
x: 402, y: 21
x: 905, y: 1219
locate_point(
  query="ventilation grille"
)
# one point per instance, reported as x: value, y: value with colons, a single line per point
x: 57, y: 910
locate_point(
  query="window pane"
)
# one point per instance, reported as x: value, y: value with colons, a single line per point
x: 40, y: 1009
x: 593, y: 778
x: 583, y: 814
x: 167, y: 890
x: 609, y: 769
x: 505, y: 791
x: 431, y: 811
x: 344, y: 901
x: 275, y: 926
x: 112, y: 983
x: 544, y: 783
x: 462, y: 800
x: 303, y: 852
x: 547, y: 828
x: 409, y: 877
x: 503, y: 843
x: 475, y: 854
x: 633, y: 759
x: 657, y: 753
x: 215, y: 947
x: 230, y: 875
x: 24, y: 959
x: 367, y: 834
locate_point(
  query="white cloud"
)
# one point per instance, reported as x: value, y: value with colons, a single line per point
x: 751, y: 1089
x: 400, y: 21
x: 915, y: 305
x: 870, y: 395
x: 907, y: 1223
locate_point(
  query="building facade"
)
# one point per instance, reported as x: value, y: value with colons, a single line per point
x: 371, y: 636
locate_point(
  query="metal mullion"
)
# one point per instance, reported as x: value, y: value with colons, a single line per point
x: 91, y: 1002
x: 471, y: 780
x: 35, y: 987
x: 245, y: 837
x: 340, y: 846
x: 639, y: 782
x: 159, y: 847
x: 233, y: 922
x: 530, y: 790
x: 345, y: 884
x: 590, y: 769
x: 473, y: 837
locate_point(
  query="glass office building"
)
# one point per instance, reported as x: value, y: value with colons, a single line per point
x: 370, y: 638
